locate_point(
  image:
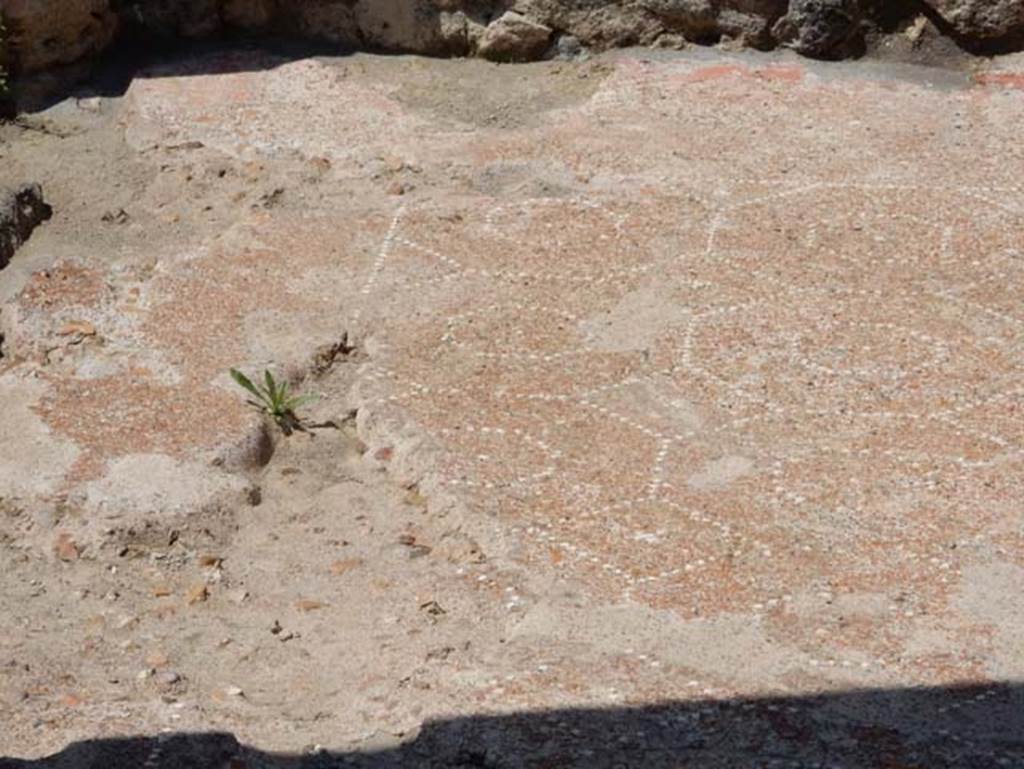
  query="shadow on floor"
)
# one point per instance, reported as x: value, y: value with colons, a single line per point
x: 970, y: 727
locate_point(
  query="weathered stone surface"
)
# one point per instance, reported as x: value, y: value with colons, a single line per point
x: 54, y: 32
x: 185, y: 18
x: 983, y: 20
x: 408, y: 25
x: 597, y: 24
x: 749, y: 21
x: 513, y: 37
x: 176, y: 493
x: 328, y: 20
x: 248, y: 14
x: 35, y: 461
x: 823, y: 28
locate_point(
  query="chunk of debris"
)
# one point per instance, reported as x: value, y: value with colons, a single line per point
x: 22, y: 209
x: 65, y: 548
x: 77, y: 328
x: 197, y: 594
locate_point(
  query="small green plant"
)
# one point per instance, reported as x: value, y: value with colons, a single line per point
x: 274, y: 400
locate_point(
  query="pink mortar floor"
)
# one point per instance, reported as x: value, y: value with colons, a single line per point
x: 733, y: 345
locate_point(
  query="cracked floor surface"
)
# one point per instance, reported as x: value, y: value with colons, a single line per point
x: 688, y: 379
